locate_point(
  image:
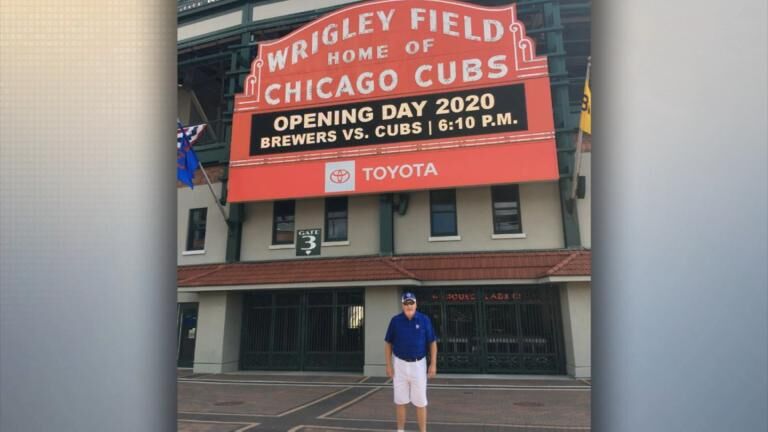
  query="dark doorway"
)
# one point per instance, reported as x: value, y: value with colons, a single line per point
x: 187, y: 334
x: 318, y: 330
x: 496, y: 329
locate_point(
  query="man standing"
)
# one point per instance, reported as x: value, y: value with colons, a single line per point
x: 408, y: 336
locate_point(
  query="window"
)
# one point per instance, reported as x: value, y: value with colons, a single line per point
x: 506, y: 209
x: 336, y: 219
x: 283, y: 222
x: 196, y: 229
x: 442, y: 206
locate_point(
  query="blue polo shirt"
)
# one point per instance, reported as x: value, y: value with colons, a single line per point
x: 410, y: 338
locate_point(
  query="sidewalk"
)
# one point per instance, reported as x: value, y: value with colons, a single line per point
x: 300, y: 402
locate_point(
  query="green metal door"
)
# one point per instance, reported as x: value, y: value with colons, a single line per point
x: 303, y: 330
x: 506, y: 329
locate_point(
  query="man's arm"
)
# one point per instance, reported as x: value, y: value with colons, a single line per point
x: 388, y: 358
x: 432, y: 360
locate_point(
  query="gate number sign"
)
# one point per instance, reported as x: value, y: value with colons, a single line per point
x: 308, y: 242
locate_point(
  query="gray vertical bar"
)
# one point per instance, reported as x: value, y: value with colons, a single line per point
x: 87, y: 205
x: 680, y: 277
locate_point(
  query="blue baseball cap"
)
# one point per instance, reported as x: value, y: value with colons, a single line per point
x: 408, y: 296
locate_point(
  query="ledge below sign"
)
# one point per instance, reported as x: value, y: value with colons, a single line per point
x: 468, y: 166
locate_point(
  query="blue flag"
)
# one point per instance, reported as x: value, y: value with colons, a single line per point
x: 186, y: 160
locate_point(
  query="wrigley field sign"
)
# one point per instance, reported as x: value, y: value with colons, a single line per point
x: 393, y: 95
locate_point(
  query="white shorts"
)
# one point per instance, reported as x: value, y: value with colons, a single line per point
x: 410, y: 382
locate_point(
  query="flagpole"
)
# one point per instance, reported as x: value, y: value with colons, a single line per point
x: 205, y: 175
x: 579, y: 142
x: 210, y: 187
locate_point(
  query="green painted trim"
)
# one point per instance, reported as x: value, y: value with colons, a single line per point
x: 209, y: 37
x: 534, y: 2
x: 192, y: 15
x: 386, y: 225
x: 555, y: 29
x: 564, y: 121
x: 247, y: 12
x: 235, y: 232
x: 224, y: 180
x: 202, y: 59
x: 213, y: 154
x: 207, y: 17
x: 570, y: 214
x: 237, y: 211
x: 260, y: 25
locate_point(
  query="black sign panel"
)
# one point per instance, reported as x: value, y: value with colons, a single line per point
x: 308, y: 242
x: 444, y: 115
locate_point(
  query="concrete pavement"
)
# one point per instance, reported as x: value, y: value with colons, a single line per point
x: 286, y: 402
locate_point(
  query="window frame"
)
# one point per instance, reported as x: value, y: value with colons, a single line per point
x: 494, y: 193
x: 275, y: 205
x: 191, y: 227
x: 328, y: 219
x: 432, y: 213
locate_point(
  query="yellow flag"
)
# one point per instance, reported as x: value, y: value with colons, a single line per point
x: 586, y: 109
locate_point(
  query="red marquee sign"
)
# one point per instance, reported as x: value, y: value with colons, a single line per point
x: 394, y: 95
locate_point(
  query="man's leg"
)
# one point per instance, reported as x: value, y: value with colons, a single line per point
x: 402, y: 391
x: 419, y: 394
x: 400, y: 416
x: 421, y: 416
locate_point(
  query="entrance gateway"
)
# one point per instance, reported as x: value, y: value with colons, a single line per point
x: 496, y: 329
x: 314, y: 330
x: 493, y: 329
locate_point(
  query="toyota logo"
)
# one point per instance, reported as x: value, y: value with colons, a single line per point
x: 340, y: 176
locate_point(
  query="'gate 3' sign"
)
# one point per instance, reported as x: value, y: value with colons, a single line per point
x: 393, y: 95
